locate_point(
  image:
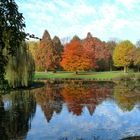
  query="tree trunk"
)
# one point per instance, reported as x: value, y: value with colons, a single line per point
x: 125, y: 69
x: 76, y: 72
x: 110, y: 67
x: 138, y: 69
x: 54, y: 71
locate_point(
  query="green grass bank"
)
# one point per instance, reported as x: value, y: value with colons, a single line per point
x: 80, y: 75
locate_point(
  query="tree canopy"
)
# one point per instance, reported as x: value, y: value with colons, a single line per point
x: 41, y: 54
x: 76, y: 57
x: 11, y: 32
x: 101, y: 53
x: 20, y: 68
x: 136, y: 57
x: 122, y: 54
x: 48, y: 54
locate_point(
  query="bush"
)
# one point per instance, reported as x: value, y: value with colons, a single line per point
x: 137, y: 77
x: 126, y: 77
x: 4, y: 85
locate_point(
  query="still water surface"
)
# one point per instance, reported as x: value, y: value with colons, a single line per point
x: 72, y: 111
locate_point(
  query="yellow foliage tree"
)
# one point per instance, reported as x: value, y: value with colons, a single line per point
x: 122, y: 54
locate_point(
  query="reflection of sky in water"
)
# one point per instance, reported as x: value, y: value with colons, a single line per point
x: 7, y: 104
x: 107, y: 122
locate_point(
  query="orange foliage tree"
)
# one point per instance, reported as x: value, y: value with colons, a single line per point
x: 76, y: 57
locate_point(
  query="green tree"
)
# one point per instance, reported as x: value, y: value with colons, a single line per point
x: 20, y: 68
x: 11, y: 32
x: 32, y: 45
x: 122, y: 54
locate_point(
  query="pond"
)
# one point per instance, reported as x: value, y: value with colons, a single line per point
x: 71, y: 111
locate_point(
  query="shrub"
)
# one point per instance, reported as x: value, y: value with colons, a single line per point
x: 137, y: 77
x: 126, y: 77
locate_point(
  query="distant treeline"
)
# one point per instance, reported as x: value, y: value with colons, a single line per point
x: 85, y: 54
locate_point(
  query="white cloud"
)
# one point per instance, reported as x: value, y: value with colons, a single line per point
x: 62, y: 3
x: 77, y: 12
x: 67, y: 18
x: 130, y: 4
x: 119, y: 24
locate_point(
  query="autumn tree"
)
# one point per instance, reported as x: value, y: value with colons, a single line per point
x: 76, y: 57
x: 122, y: 53
x: 101, y: 52
x: 136, y: 57
x: 48, y: 53
x: 44, y: 52
x: 54, y: 55
x: 57, y: 52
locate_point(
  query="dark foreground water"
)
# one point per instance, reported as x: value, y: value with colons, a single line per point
x: 74, y: 111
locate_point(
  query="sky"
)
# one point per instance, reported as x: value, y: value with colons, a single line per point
x: 105, y: 19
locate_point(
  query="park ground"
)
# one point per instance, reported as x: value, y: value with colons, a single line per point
x: 81, y: 75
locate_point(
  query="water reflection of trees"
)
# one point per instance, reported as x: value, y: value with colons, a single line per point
x: 126, y: 96
x: 49, y: 99
x: 16, y: 111
x: 78, y: 97
x: 75, y: 95
x: 132, y: 138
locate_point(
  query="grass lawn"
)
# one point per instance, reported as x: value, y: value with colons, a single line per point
x: 82, y: 75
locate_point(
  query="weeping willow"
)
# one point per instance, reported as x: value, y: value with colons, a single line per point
x: 20, y: 68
